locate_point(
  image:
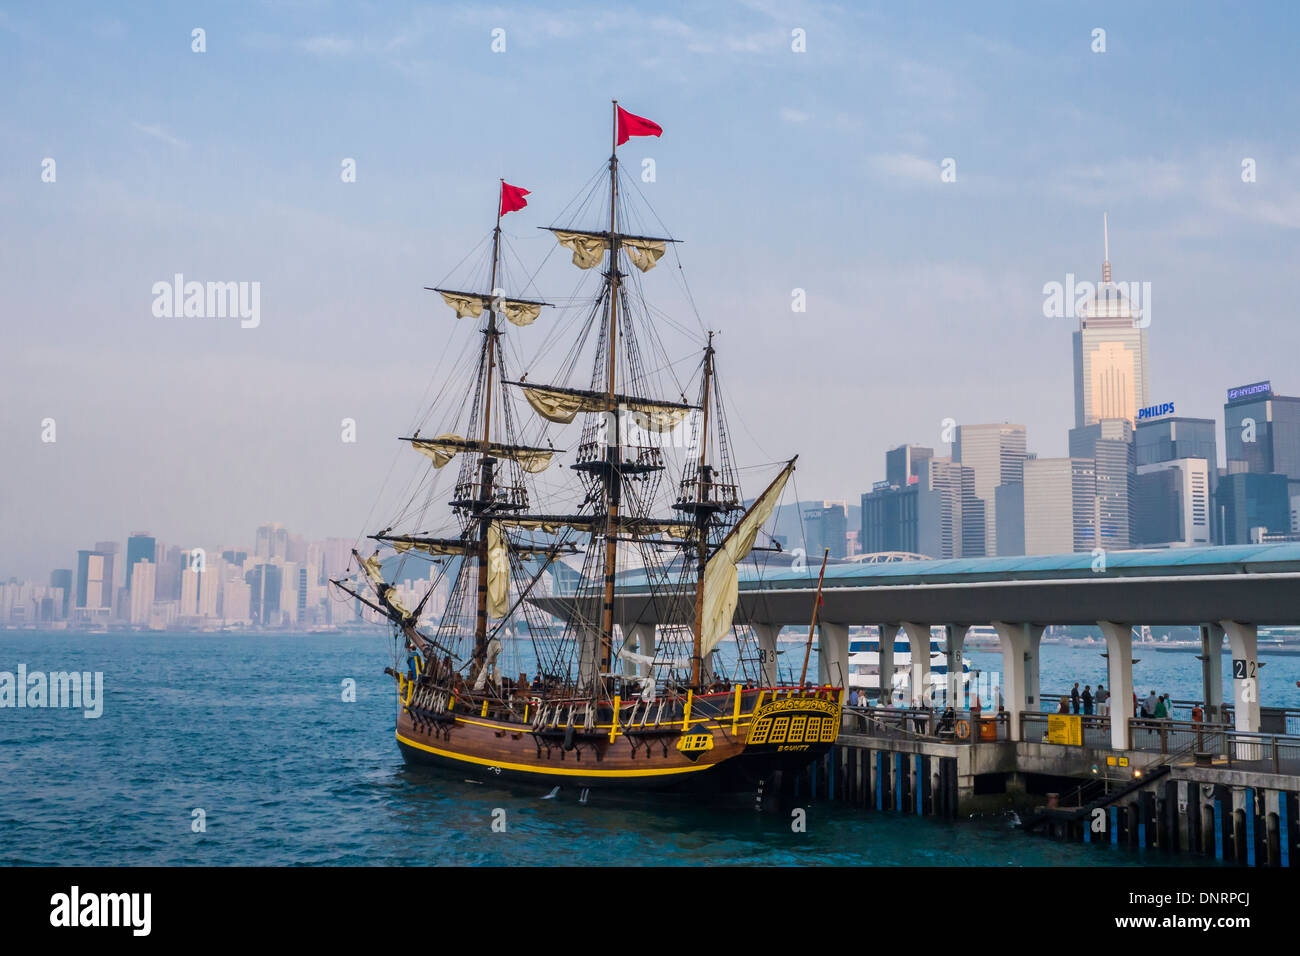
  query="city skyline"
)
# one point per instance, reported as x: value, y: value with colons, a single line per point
x: 925, y: 297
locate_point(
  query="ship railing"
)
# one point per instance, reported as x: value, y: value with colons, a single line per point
x: 668, y: 711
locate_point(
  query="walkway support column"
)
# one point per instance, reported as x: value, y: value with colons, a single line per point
x: 886, y: 663
x: 956, y: 681
x: 833, y: 653
x: 1212, y: 672
x: 918, y: 642
x: 1245, y: 675
x: 1033, y: 641
x: 1119, y: 650
x: 1014, y: 639
x: 766, y: 635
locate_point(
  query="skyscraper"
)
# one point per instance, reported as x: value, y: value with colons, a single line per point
x: 890, y: 519
x: 1171, y: 504
x: 1060, y: 505
x: 905, y: 464
x: 1262, y: 433
x: 826, y: 527
x: 143, y: 580
x: 1109, y: 445
x: 996, y: 456
x: 140, y: 547
x: 94, y: 582
x: 62, y: 579
x: 1247, y: 501
x: 1110, y: 354
x: 950, y: 514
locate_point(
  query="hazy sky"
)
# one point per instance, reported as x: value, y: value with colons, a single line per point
x: 817, y: 170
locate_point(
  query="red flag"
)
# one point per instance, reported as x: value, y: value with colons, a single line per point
x: 629, y: 124
x: 512, y: 197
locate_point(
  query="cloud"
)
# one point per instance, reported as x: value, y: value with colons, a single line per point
x: 157, y: 132
x: 791, y: 115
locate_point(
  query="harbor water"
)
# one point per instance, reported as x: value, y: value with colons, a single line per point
x: 242, y: 749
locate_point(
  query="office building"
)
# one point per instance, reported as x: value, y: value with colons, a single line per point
x: 826, y: 526
x: 950, y: 518
x: 143, y: 580
x: 1109, y: 445
x: 140, y: 547
x: 906, y: 464
x: 1172, y: 504
x: 1247, y: 501
x: 1262, y: 433
x: 996, y: 456
x: 1060, y: 505
x: 62, y: 579
x: 94, y: 583
x: 265, y: 582
x: 1010, y: 505
x: 1110, y: 354
x: 890, y: 518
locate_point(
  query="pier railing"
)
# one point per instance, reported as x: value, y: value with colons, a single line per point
x: 965, y: 727
x: 1240, y: 750
x: 1095, y: 730
x: 1272, y: 753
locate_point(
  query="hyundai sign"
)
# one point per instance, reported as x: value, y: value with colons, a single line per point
x: 1247, y: 391
x: 1155, y: 411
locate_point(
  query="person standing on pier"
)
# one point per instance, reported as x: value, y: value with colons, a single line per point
x: 1103, y: 700
x: 1086, y: 697
x: 1074, y: 698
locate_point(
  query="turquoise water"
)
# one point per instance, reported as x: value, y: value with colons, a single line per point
x: 253, y: 731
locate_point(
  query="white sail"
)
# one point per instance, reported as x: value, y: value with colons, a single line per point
x: 498, y: 576
x: 721, y: 579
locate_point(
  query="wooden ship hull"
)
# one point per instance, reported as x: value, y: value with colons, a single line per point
x: 715, y: 742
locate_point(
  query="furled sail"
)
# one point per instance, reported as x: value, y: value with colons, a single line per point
x: 445, y: 447
x: 498, y: 576
x: 517, y: 311
x: 375, y: 572
x: 721, y: 580
x: 453, y: 546
x: 589, y: 248
x: 644, y: 253
x: 561, y: 405
x: 403, y: 543
x: 628, y: 524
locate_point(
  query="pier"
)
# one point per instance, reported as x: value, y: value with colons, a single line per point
x: 1227, y: 785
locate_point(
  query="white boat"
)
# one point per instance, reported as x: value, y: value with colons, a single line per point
x: 864, y: 665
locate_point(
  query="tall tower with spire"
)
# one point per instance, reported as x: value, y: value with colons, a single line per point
x: 1110, y: 352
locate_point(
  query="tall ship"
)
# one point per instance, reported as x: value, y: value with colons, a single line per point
x: 525, y: 658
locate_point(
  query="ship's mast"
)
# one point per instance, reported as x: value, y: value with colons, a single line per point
x: 486, y: 462
x: 613, y: 464
x: 702, y: 522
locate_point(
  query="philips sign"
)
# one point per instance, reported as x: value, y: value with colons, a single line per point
x: 1246, y: 391
x: 1155, y: 411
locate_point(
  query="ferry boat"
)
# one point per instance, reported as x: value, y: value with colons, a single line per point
x: 864, y: 666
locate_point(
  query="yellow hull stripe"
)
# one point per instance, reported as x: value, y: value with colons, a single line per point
x: 562, y: 771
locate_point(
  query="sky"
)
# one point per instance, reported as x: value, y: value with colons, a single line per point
x: 780, y: 169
